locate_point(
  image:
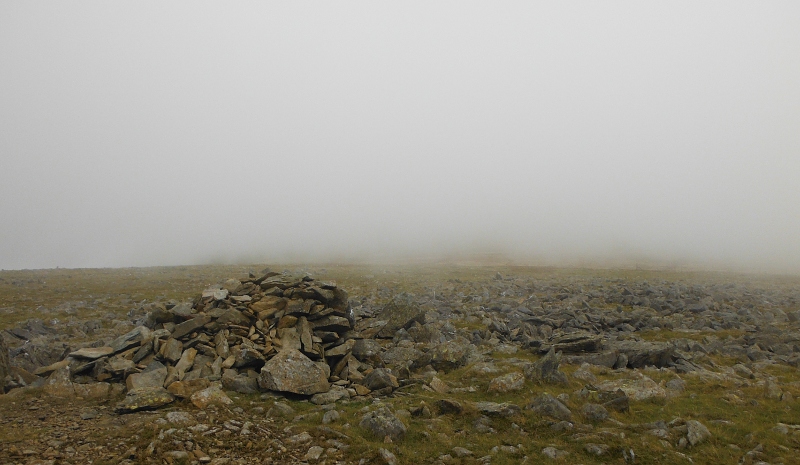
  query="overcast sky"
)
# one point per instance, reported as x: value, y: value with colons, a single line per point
x: 162, y: 133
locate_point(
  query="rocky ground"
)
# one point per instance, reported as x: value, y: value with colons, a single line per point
x: 429, y: 364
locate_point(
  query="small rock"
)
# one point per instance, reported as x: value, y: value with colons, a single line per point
x: 280, y: 409
x: 336, y: 393
x: 185, y: 389
x: 596, y: 449
x: 545, y: 370
x: 177, y: 455
x: 387, y: 457
x: 506, y: 409
x: 314, y: 453
x: 300, y: 438
x: 507, y: 383
x: 772, y: 390
x: 439, y: 386
x: 179, y: 418
x: 330, y: 417
x: 553, y: 453
x: 638, y: 388
x: 382, y: 423
x: 547, y: 405
x: 447, y: 406
x: 144, y: 399
x: 594, y: 412
x: 696, y: 432
x: 210, y: 395
x: 676, y: 385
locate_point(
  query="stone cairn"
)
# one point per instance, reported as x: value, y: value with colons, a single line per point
x: 276, y: 332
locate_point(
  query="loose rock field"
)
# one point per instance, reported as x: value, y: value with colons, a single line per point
x: 398, y: 364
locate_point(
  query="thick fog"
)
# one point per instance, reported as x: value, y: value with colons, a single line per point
x: 163, y: 133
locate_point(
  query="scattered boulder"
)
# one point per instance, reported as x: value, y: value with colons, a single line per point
x: 507, y: 383
x: 383, y: 423
x: 144, y: 399
x: 545, y: 370
x: 696, y: 432
x: 210, y: 395
x: 504, y: 409
x: 594, y: 412
x: 449, y: 406
x: 576, y: 342
x: 547, y: 405
x: 336, y: 393
x: 641, y: 353
x: 553, y: 453
x: 638, y: 388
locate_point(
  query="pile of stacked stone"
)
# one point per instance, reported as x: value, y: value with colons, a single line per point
x: 276, y: 332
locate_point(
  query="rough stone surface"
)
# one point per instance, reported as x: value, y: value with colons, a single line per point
x: 144, y: 399
x: 336, y: 394
x: 382, y: 423
x: 291, y: 371
x: 185, y: 389
x: 401, y: 312
x: 130, y: 339
x: 152, y: 376
x: 638, y: 388
x: 507, y: 383
x: 696, y: 432
x: 504, y: 409
x: 549, y: 406
x: 210, y: 395
x: 92, y: 352
x: 553, y: 453
x: 380, y: 378
x: 545, y: 370
x: 594, y: 412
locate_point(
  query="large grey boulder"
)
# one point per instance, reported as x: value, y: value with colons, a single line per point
x: 382, y: 423
x: 291, y: 371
